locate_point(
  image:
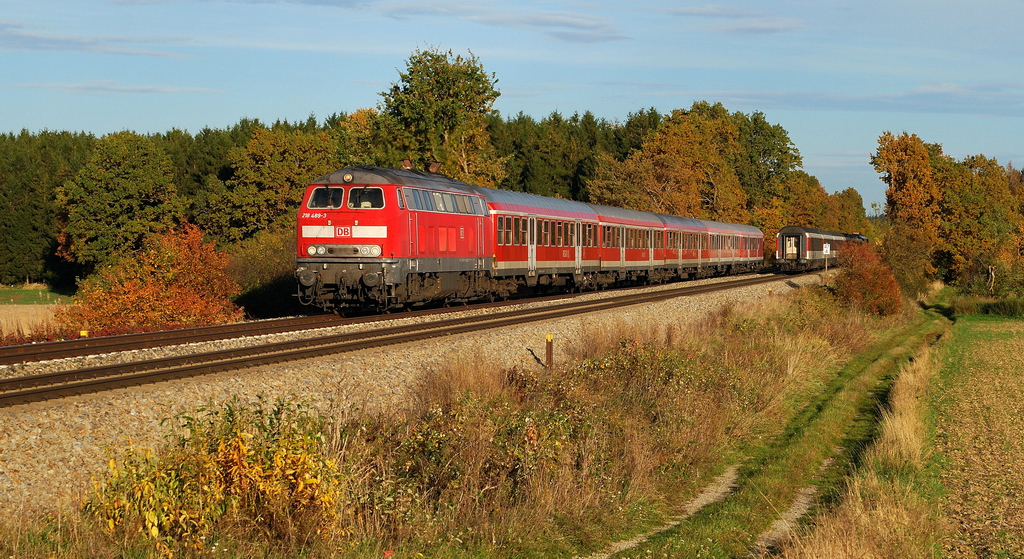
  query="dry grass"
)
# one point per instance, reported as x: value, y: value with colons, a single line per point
x: 18, y: 321
x: 877, y: 519
x: 882, y: 514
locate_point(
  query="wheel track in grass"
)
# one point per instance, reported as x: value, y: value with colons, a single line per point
x: 776, y: 484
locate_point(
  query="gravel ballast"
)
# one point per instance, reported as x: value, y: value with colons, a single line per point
x: 50, y: 451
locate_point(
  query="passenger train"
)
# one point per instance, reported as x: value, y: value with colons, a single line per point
x: 391, y: 238
x: 802, y: 248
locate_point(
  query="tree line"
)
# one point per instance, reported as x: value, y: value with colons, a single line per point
x: 75, y: 201
x: 958, y: 221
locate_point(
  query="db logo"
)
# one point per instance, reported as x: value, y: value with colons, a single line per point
x: 344, y: 232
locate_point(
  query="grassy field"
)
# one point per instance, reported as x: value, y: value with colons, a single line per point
x: 909, y: 450
x: 32, y: 295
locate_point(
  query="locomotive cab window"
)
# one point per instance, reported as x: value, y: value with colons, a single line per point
x: 366, y: 198
x: 326, y: 197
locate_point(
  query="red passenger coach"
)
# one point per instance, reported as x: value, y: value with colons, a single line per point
x: 384, y: 238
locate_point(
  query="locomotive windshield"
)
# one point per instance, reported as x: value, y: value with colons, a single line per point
x: 326, y: 198
x: 366, y: 198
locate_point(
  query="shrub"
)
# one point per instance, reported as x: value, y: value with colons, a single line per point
x: 1008, y: 307
x: 264, y: 267
x: 258, y: 468
x: 867, y: 283
x: 176, y: 281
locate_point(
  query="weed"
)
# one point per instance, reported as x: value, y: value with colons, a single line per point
x: 259, y: 468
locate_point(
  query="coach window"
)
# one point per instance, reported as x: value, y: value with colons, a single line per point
x: 516, y: 238
x: 501, y: 230
x: 508, y: 230
x: 366, y: 198
x: 326, y: 198
x: 410, y: 198
x: 524, y: 226
x: 436, y: 201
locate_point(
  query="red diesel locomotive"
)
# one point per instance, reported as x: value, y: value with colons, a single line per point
x: 372, y: 237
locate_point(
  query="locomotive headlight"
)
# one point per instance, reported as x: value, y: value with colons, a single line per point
x: 311, y: 250
x: 321, y: 250
x: 375, y: 251
x: 365, y: 251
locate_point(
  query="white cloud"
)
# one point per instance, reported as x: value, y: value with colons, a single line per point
x: 105, y: 87
x: 562, y: 25
x: 711, y: 10
x: 1004, y: 99
x: 747, y: 22
x: 15, y: 36
x: 763, y: 26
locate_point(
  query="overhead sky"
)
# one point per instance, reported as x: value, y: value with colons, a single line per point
x: 834, y: 74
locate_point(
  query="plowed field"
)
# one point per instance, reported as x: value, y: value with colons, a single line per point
x: 981, y: 439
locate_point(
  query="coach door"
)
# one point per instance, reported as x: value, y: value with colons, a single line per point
x: 622, y: 250
x: 578, y: 246
x: 414, y: 238
x: 792, y: 248
x: 480, y: 250
x: 531, y: 248
x: 650, y: 250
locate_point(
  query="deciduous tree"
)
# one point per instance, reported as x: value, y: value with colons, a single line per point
x: 270, y: 176
x: 437, y: 111
x: 121, y: 196
x: 766, y: 159
x: 683, y: 169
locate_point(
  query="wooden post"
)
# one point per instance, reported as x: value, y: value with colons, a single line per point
x: 550, y: 362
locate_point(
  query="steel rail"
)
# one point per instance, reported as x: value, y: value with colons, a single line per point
x: 34, y: 388
x: 42, y: 351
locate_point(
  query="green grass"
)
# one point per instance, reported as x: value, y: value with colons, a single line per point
x: 31, y: 296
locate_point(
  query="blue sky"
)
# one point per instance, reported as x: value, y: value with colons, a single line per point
x: 834, y: 74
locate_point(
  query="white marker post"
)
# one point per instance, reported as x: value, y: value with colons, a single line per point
x: 826, y: 249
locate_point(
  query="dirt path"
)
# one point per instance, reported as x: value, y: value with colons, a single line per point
x: 981, y: 439
x: 717, y: 490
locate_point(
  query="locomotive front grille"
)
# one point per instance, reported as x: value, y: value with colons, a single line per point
x: 344, y: 250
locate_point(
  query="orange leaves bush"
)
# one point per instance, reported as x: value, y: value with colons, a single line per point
x: 867, y: 282
x: 176, y: 281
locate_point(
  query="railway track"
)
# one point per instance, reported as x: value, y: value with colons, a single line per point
x: 44, y: 351
x: 41, y: 387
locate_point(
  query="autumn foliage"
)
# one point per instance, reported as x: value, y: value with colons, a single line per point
x: 867, y: 282
x: 176, y: 281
